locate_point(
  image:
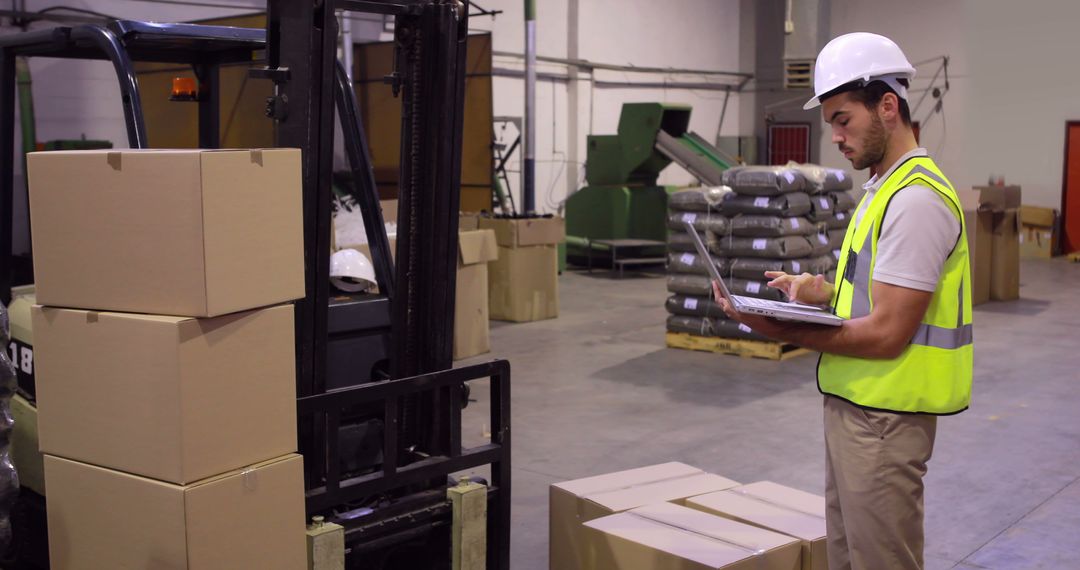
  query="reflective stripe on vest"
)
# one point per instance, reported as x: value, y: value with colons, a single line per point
x: 938, y: 381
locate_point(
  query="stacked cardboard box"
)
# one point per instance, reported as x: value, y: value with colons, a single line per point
x: 165, y: 357
x: 1039, y: 232
x: 791, y: 219
x: 476, y: 249
x: 523, y: 281
x: 992, y: 218
x: 657, y: 517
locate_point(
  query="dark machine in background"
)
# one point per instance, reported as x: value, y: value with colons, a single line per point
x: 379, y: 406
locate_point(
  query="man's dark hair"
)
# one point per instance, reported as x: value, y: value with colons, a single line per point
x: 870, y: 96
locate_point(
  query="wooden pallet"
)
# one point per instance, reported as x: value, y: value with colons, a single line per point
x: 745, y: 348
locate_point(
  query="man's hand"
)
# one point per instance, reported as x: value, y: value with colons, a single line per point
x: 805, y: 288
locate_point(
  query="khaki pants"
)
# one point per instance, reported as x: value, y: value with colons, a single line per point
x: 874, y: 467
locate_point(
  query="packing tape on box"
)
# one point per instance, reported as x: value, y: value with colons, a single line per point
x: 775, y: 504
x: 114, y: 159
x: 257, y: 156
x: 754, y: 550
x: 250, y: 479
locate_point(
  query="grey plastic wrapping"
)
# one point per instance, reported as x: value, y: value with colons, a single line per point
x: 702, y: 221
x: 705, y: 326
x: 9, y: 479
x: 822, y: 209
x: 764, y: 180
x: 708, y: 199
x: 755, y: 268
x: 687, y: 284
x: 787, y: 205
x: 787, y: 247
x: 820, y: 244
x: 839, y: 220
x: 692, y: 263
x: 843, y: 201
x: 822, y: 178
x: 693, y: 306
x: 768, y: 226
x: 836, y: 238
x: 678, y: 241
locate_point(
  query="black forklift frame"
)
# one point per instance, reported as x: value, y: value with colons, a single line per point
x: 422, y: 405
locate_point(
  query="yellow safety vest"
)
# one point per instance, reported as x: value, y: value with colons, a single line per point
x: 933, y: 374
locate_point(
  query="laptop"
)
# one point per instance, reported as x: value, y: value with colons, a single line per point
x: 754, y: 306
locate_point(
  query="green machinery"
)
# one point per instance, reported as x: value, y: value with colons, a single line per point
x: 622, y: 200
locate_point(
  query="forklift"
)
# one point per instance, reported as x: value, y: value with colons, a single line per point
x: 379, y: 404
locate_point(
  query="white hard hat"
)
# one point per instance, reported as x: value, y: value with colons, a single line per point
x: 859, y: 56
x: 351, y: 271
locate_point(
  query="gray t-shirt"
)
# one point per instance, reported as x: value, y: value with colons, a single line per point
x: 917, y: 234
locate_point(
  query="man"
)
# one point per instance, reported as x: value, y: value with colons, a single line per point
x: 904, y: 356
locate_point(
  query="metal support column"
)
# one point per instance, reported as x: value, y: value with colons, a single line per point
x: 528, y: 171
x: 209, y: 76
x: 7, y: 166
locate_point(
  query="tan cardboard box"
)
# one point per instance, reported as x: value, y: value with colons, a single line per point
x: 471, y: 333
x: 1038, y: 232
x: 978, y: 223
x: 172, y: 398
x: 249, y: 518
x: 999, y: 198
x: 775, y: 507
x: 575, y: 502
x: 468, y: 221
x: 1005, y: 267
x: 670, y: 537
x: 523, y: 284
x: 526, y: 231
x: 170, y: 232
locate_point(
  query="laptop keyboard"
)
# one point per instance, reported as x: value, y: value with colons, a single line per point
x: 766, y: 304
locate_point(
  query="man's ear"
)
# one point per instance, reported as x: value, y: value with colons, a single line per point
x: 889, y: 107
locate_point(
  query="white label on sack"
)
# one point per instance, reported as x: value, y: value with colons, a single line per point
x: 789, y: 177
x: 689, y: 218
x: 753, y: 287
x: 690, y: 303
x: 836, y: 253
x: 840, y: 215
x: 759, y: 244
x: 745, y: 328
x: 762, y: 202
x: 840, y: 175
x: 687, y: 259
x: 794, y: 223
x: 795, y: 267
x: 824, y: 203
x: 823, y: 238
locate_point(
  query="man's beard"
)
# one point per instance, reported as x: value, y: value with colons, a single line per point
x: 874, y: 147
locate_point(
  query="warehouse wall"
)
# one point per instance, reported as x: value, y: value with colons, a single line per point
x: 699, y: 34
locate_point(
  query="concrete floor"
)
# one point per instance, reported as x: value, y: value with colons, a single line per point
x: 596, y: 391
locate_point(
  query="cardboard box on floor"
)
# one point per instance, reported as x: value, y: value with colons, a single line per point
x: 249, y: 518
x: 171, y: 398
x: 575, y: 502
x: 774, y: 507
x: 979, y: 225
x: 665, y: 536
x: 524, y: 281
x: 471, y: 331
x: 196, y: 233
x: 1039, y: 232
x: 1004, y: 202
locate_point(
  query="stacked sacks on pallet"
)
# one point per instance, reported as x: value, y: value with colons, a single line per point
x: 769, y: 218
